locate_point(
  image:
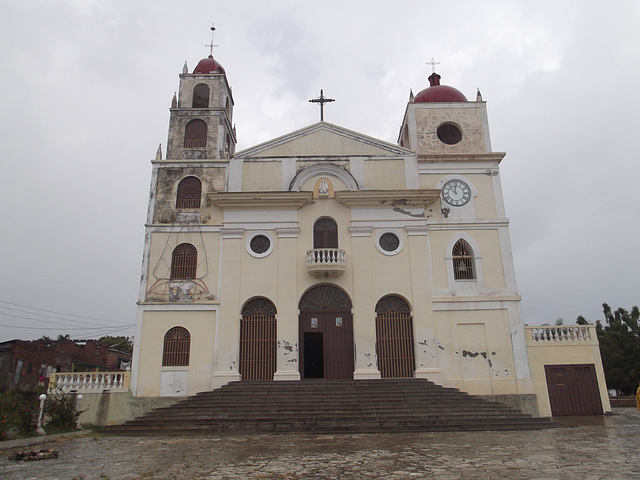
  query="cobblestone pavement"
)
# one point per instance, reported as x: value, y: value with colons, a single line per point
x: 588, y: 448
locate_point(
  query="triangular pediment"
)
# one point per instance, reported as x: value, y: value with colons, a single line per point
x: 323, y: 140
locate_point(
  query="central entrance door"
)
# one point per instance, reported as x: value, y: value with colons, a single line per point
x: 326, y: 333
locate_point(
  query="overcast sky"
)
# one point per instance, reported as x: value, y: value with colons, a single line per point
x: 86, y: 86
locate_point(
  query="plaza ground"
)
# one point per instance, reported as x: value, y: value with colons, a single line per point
x: 584, y: 448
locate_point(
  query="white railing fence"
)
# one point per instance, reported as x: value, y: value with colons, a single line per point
x: 89, y: 381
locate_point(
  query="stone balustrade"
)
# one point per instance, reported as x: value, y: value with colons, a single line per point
x: 572, y: 333
x: 326, y: 261
x: 89, y: 382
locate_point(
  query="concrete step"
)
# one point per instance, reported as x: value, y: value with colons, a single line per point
x: 329, y: 406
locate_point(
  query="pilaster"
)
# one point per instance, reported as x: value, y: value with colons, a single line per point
x: 364, y: 332
x: 288, y: 349
x: 425, y: 344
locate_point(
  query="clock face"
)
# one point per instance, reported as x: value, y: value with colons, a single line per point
x: 456, y: 193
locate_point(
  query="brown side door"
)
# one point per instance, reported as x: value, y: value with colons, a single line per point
x: 573, y: 390
x: 326, y: 344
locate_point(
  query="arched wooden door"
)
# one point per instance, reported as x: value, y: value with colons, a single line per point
x: 326, y: 333
x: 258, y: 340
x: 394, y: 338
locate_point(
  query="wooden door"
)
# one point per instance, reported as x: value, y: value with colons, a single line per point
x: 573, y: 390
x: 328, y: 334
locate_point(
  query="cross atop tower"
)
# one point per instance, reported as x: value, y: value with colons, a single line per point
x: 433, y: 65
x: 322, y: 100
x: 211, y: 45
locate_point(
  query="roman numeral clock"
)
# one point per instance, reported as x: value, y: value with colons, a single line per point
x: 456, y: 193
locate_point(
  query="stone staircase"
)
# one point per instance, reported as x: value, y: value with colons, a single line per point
x: 329, y: 406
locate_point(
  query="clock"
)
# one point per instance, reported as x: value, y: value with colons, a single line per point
x: 456, y: 193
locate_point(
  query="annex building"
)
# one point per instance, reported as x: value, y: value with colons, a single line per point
x: 326, y: 253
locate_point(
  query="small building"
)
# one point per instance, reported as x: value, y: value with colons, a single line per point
x: 27, y: 365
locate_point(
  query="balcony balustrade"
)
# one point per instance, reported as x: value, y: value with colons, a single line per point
x: 325, y: 262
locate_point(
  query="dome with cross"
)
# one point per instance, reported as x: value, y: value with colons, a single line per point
x: 439, y: 93
x: 208, y: 65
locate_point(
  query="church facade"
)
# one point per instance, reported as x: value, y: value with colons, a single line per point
x: 326, y: 253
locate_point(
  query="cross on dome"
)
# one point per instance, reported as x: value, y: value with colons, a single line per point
x: 433, y: 65
x: 211, y: 45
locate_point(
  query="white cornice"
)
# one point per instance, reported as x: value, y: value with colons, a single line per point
x: 404, y: 199
x: 462, y: 157
x: 260, y: 200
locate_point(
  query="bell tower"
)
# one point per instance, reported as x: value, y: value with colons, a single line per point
x: 200, y: 124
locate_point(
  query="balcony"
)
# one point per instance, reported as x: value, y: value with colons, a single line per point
x: 325, y: 262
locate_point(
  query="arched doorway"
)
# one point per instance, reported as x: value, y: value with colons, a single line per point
x: 258, y: 340
x: 326, y: 333
x: 394, y: 337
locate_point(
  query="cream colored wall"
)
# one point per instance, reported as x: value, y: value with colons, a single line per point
x: 261, y: 176
x: 468, y: 118
x: 155, y: 324
x: 489, y: 249
x: 475, y: 351
x: 483, y: 203
x: 564, y: 353
x: 160, y: 251
x: 384, y: 174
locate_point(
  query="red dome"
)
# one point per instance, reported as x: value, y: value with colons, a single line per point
x: 439, y: 93
x: 208, y: 65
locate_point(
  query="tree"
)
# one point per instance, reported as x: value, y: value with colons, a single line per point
x: 121, y: 343
x: 620, y: 347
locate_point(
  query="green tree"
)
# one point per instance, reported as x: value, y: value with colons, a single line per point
x: 121, y: 343
x: 620, y: 347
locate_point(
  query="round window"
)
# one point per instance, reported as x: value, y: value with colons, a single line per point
x: 449, y: 133
x: 389, y: 242
x: 260, y: 244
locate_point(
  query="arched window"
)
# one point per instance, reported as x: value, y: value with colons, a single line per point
x: 195, y: 134
x: 325, y: 234
x: 184, y: 261
x: 177, y: 345
x: 189, y: 193
x: 200, y: 96
x: 463, y: 264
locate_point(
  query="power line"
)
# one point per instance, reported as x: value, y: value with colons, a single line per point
x: 47, y: 321
x: 54, y: 312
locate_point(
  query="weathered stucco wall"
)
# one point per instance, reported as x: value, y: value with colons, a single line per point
x: 108, y: 408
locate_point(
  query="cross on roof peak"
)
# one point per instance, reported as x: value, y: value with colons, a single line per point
x: 321, y: 100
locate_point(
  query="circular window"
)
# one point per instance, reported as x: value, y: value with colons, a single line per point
x: 449, y: 133
x: 259, y: 245
x: 389, y: 242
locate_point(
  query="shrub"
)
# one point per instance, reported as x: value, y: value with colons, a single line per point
x: 60, y: 411
x: 17, y: 412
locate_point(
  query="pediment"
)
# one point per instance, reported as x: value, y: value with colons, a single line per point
x: 323, y: 140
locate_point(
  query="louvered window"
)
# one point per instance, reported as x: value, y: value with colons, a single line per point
x: 189, y: 193
x: 184, y: 261
x: 177, y: 345
x: 195, y: 134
